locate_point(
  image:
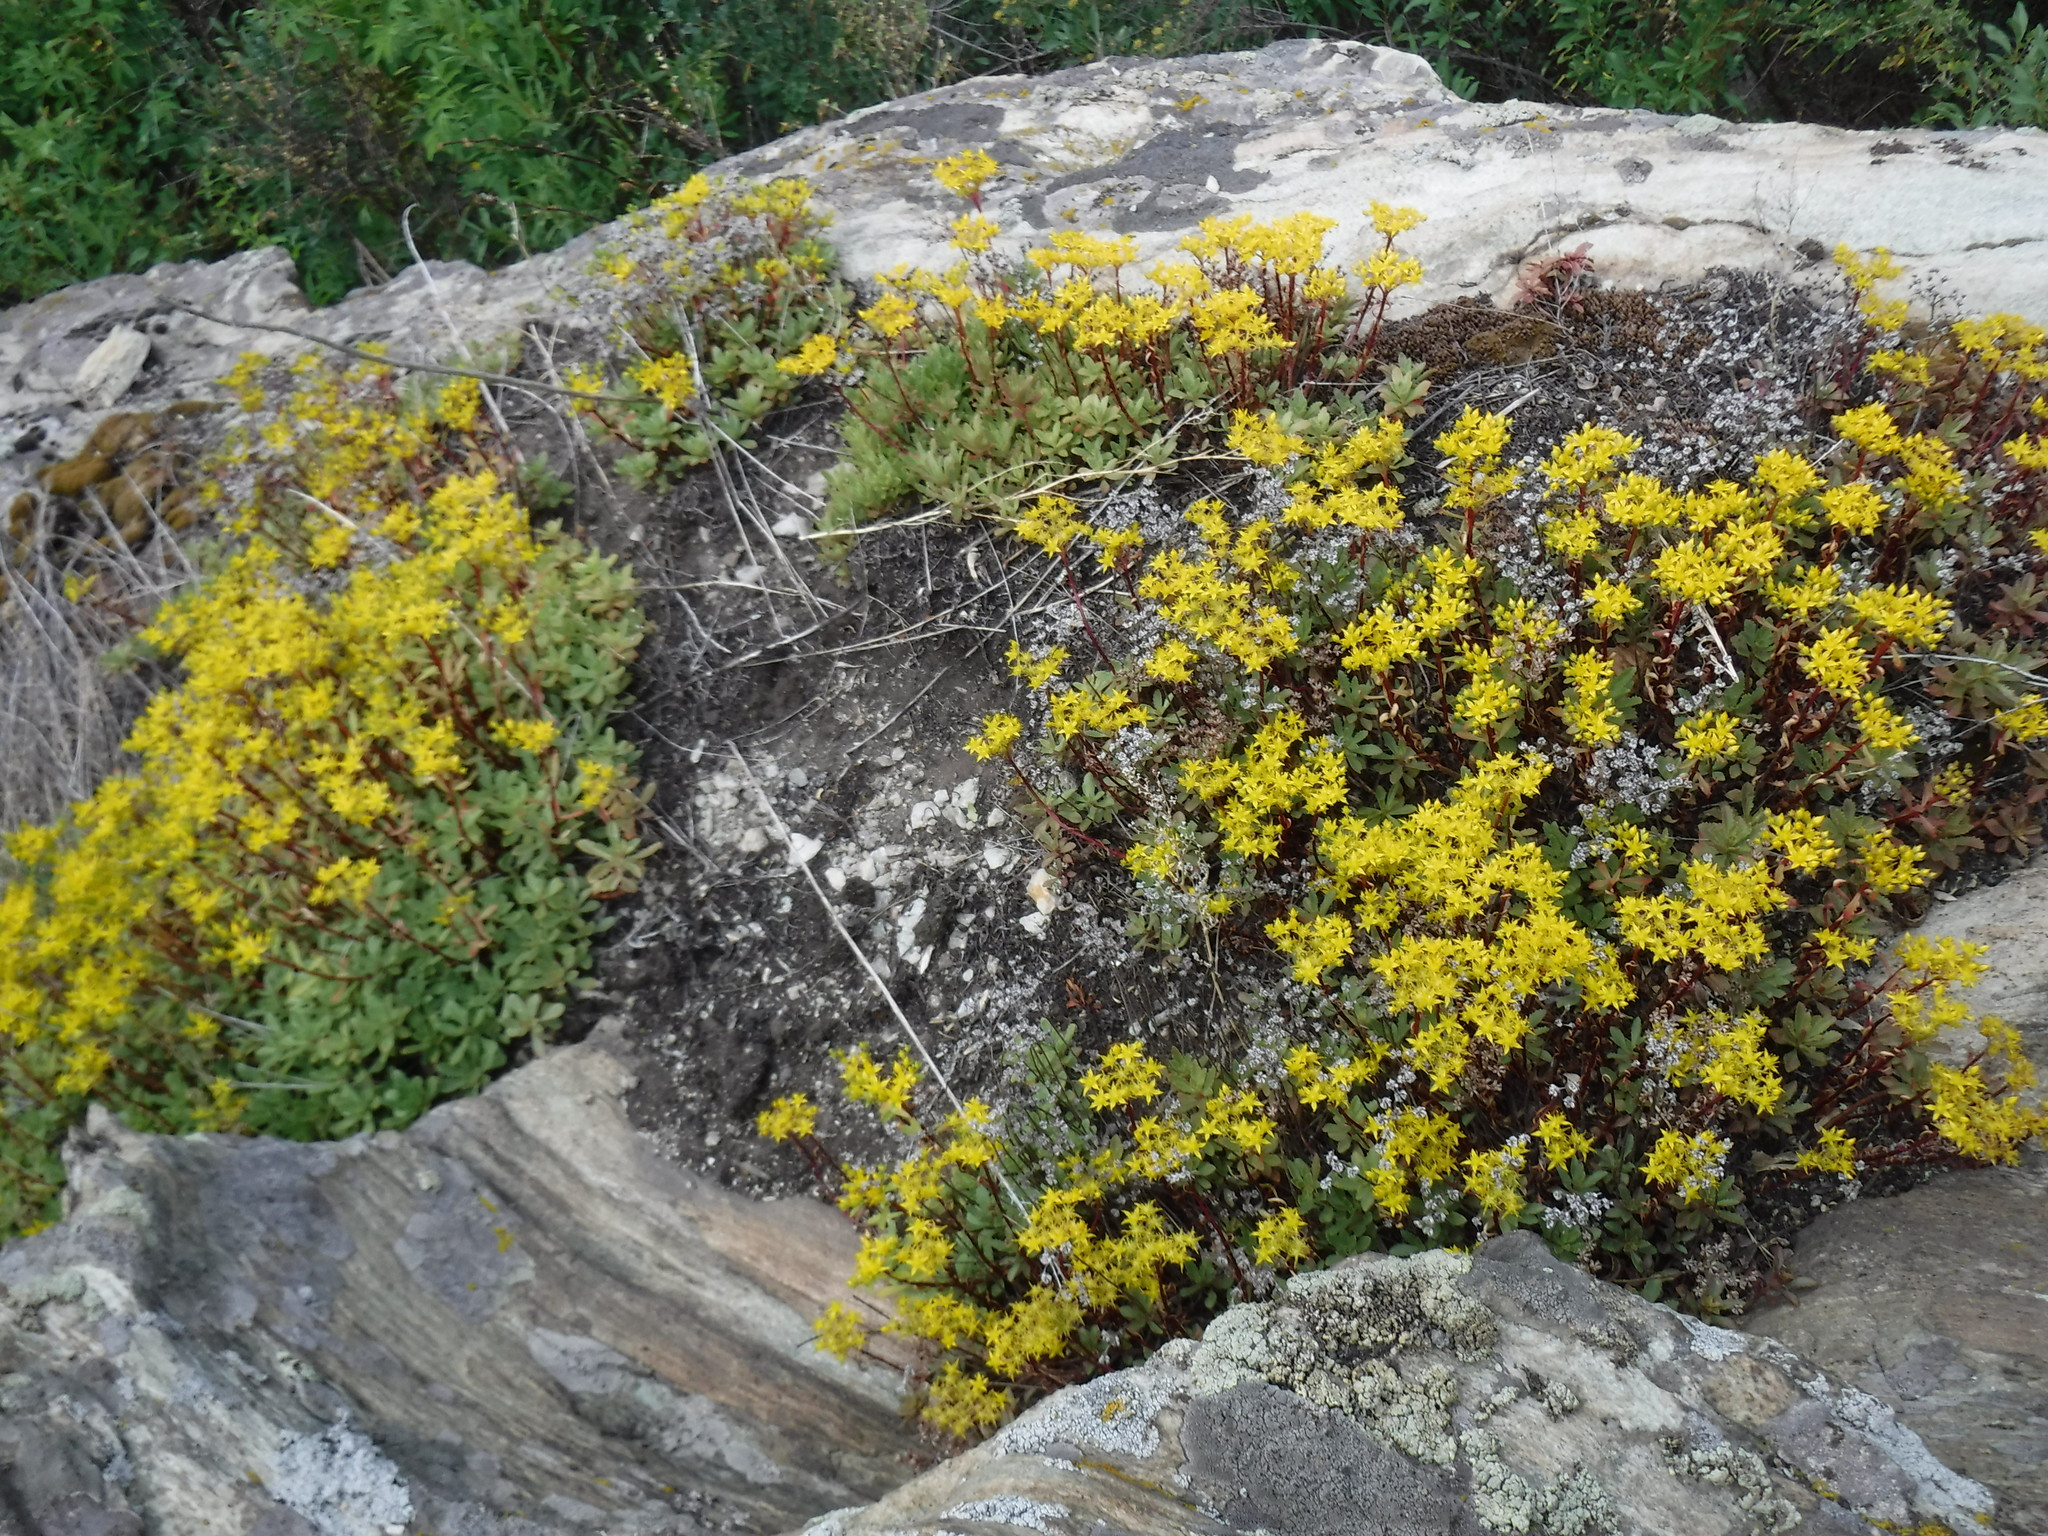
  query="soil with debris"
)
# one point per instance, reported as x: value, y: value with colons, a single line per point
x: 801, y: 710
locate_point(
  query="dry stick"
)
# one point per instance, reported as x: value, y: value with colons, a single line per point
x: 832, y: 916
x: 405, y: 364
x: 725, y: 479
x: 434, y: 293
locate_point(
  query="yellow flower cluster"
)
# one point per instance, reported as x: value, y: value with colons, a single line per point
x: 277, y: 829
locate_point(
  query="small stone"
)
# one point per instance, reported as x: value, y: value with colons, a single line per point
x: 1035, y: 923
x: 753, y: 840
x: 748, y: 575
x: 922, y: 815
x: 791, y: 525
x: 110, y: 368
x: 835, y: 878
x: 803, y: 849
x: 1043, y: 890
x: 996, y: 856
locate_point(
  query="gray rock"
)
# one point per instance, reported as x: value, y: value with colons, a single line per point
x: 512, y: 1318
x: 1150, y: 147
x: 1447, y: 1394
x: 110, y: 368
x: 1935, y: 1302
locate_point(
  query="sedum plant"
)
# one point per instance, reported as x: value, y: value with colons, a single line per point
x: 1554, y: 814
x: 360, y: 853
x: 981, y: 386
x: 723, y: 298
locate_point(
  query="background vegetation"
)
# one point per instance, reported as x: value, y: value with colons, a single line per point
x: 137, y: 131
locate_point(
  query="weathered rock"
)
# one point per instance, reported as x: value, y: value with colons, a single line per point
x: 512, y: 1318
x: 1936, y: 1303
x: 1501, y: 1392
x: 1151, y: 147
x: 110, y: 368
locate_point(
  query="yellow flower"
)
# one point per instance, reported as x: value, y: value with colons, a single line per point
x: 792, y: 1115
x: 974, y: 234
x: 840, y: 1331
x: 1842, y: 948
x: 1610, y: 601
x: 1260, y: 439
x: 1891, y: 866
x: 890, y: 315
x: 1560, y: 1140
x: 1835, y: 660
x: 998, y: 734
x: 965, y: 173
x: 1125, y: 1075
x: 1314, y: 943
x: 330, y: 546
x: 1052, y: 524
x: 347, y: 879
x: 669, y: 379
x: 1281, y: 1238
x: 1690, y: 1164
x: 816, y: 355
x: 1857, y: 507
x: 1912, y: 617
x: 1235, y: 1115
x: 1803, y: 839
x: 1391, y: 221
x: 1586, y: 455
x: 865, y: 1082
x: 1494, y: 1179
x: 1036, y: 1328
x: 1485, y: 702
x: 1235, y: 320
x: 1834, y: 1152
x: 1173, y: 661
x: 1388, y: 270
x: 524, y: 735
x: 2024, y: 722
x: 1690, y: 573
x: 1036, y: 671
x: 959, y: 1403
x: 1709, y: 737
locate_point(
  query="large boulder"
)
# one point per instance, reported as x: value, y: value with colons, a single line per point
x: 1936, y: 1301
x: 512, y: 1318
x: 1443, y: 1393
x: 1151, y: 147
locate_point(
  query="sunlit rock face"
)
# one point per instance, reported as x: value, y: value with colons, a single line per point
x: 1152, y: 147
x: 1446, y: 1393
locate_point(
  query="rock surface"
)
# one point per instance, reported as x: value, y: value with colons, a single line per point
x: 512, y: 1318
x: 1936, y: 1303
x: 1151, y: 147
x: 1444, y: 1393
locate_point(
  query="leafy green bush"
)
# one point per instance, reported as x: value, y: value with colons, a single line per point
x: 1566, y: 807
x: 362, y: 851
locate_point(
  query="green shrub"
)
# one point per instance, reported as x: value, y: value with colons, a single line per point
x: 361, y: 853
